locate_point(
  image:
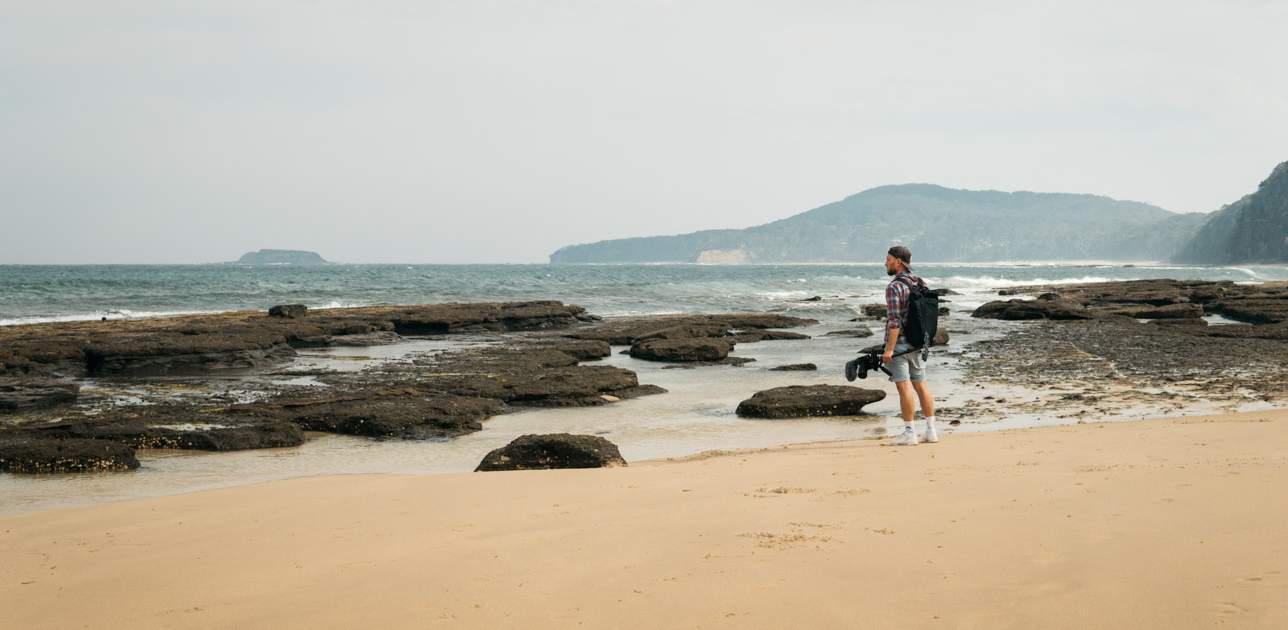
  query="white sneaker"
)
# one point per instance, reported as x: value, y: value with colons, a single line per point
x: 931, y: 436
x: 907, y: 438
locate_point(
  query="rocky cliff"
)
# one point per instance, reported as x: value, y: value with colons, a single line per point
x: 1251, y: 230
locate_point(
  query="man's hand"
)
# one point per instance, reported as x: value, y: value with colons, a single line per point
x: 892, y: 336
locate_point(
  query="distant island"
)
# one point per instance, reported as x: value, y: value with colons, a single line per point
x: 281, y: 257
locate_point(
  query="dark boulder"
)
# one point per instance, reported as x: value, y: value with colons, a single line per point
x: 289, y: 311
x: 1032, y: 309
x: 795, y: 367
x: 29, y: 393
x: 682, y: 350
x: 34, y: 455
x: 559, y: 450
x: 801, y: 401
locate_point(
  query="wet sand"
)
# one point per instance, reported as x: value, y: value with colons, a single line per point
x: 1168, y: 523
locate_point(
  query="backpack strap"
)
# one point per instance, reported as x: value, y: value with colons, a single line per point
x: 919, y: 285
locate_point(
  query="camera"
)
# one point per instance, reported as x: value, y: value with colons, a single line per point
x: 859, y: 367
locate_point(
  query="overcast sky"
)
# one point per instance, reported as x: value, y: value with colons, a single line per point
x: 481, y: 131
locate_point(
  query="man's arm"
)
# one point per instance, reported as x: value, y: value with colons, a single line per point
x: 894, y: 319
x: 892, y: 337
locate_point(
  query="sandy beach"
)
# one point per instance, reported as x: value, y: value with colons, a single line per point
x: 1176, y: 523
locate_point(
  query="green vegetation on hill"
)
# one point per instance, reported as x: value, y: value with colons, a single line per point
x: 1250, y: 230
x: 937, y: 223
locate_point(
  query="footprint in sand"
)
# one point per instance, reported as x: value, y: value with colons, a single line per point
x: 796, y: 536
x: 780, y: 491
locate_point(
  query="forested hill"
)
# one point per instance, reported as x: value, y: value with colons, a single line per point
x: 937, y: 223
x: 1250, y: 230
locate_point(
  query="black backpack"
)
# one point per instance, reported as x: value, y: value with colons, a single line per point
x: 921, y: 322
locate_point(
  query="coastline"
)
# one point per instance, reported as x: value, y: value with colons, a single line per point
x: 1157, y: 523
x: 346, y: 393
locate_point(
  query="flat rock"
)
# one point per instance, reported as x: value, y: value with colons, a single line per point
x: 408, y: 417
x: 754, y: 336
x: 574, y: 386
x: 178, y: 352
x: 1180, y: 322
x: 198, y: 344
x: 686, y: 331
x: 795, y: 367
x: 1168, y: 311
x: 630, y: 330
x: 745, y: 321
x: 438, y: 319
x: 365, y: 340
x: 180, y: 430
x: 851, y: 332
x: 1254, y: 309
x: 559, y: 450
x: 1267, y: 331
x: 1032, y: 309
x: 799, y: 401
x: 682, y: 350
x: 35, y: 393
x: 34, y: 455
x: 579, y: 349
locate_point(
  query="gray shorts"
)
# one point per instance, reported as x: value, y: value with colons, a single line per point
x: 909, y: 367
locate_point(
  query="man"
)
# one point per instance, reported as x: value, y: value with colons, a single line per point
x: 907, y: 369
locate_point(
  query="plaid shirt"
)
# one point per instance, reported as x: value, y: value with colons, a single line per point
x: 896, y: 296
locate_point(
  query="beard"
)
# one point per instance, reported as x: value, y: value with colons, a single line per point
x: 889, y: 271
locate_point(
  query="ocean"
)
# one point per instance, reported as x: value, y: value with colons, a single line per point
x: 30, y: 294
